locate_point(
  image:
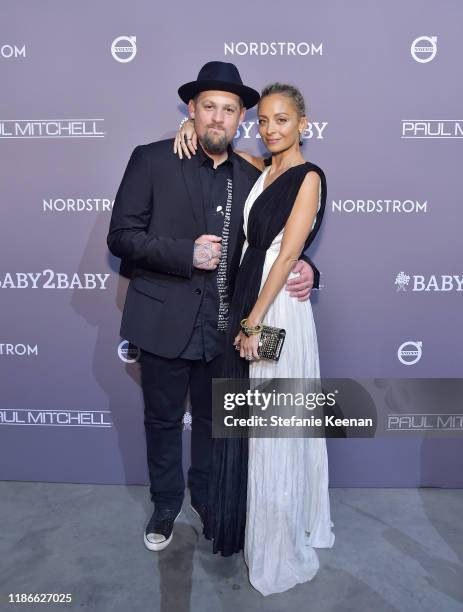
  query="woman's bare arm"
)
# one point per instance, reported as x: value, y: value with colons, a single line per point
x: 297, y: 229
x: 256, y: 161
x: 186, y: 143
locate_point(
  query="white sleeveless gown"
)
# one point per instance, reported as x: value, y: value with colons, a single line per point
x: 288, y: 506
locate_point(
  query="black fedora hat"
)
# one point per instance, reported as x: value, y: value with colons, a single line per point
x: 223, y: 77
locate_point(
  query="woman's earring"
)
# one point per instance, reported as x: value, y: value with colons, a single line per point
x: 300, y: 139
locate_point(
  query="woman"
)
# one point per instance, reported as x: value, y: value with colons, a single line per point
x: 271, y: 494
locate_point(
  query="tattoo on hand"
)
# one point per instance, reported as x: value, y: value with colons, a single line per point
x: 202, y: 253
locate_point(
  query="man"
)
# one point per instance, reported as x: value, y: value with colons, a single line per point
x: 179, y: 224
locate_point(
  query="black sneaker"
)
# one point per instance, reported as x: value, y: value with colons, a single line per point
x: 200, y: 510
x: 159, y: 531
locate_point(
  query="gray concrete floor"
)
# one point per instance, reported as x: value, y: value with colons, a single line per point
x: 395, y: 549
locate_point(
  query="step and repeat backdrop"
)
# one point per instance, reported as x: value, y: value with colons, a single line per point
x: 84, y: 83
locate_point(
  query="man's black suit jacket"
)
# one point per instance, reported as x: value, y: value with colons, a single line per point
x: 157, y: 216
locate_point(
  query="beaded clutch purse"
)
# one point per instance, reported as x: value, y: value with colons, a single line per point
x: 271, y: 342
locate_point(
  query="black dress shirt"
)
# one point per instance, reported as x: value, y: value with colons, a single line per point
x: 206, y: 340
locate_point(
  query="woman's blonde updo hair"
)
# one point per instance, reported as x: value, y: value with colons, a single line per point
x: 286, y: 90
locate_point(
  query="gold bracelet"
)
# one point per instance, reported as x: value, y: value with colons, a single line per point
x: 250, y: 331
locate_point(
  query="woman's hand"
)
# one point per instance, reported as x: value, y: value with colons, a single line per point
x: 247, y: 346
x: 186, y: 140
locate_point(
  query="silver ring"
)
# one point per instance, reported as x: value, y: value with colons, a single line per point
x: 249, y: 357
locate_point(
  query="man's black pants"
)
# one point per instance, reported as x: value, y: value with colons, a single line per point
x: 165, y: 383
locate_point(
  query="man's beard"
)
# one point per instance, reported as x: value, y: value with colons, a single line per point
x: 214, y: 146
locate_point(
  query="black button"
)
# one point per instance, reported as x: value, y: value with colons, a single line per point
x: 198, y: 291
